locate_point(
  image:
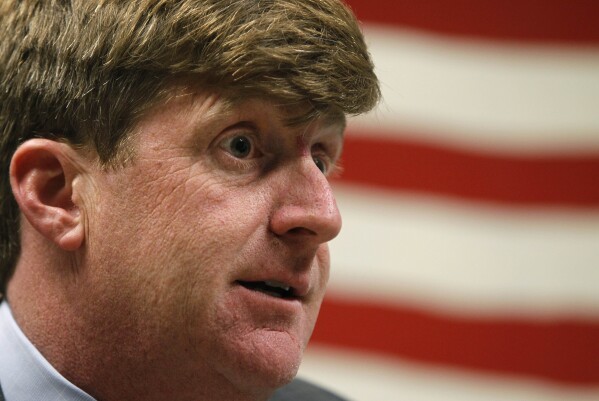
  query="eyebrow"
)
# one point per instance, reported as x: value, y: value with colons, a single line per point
x: 335, y: 118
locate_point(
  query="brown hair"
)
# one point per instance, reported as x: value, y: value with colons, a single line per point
x: 84, y: 71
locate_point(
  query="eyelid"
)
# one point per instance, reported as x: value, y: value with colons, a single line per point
x: 229, y: 132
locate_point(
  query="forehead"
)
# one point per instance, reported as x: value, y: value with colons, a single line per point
x: 295, y: 117
x: 204, y: 105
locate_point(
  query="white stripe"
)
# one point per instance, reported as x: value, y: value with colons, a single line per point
x: 362, y: 377
x: 477, y: 94
x: 465, y: 257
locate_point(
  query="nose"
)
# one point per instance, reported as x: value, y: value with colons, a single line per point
x: 306, y: 209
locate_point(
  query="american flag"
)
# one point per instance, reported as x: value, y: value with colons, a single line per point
x: 468, y: 264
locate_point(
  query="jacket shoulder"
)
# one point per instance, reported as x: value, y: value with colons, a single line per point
x: 301, y: 390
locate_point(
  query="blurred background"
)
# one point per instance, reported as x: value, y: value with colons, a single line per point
x: 468, y: 265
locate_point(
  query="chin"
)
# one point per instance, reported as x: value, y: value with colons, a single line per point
x: 274, y: 376
x: 268, y: 362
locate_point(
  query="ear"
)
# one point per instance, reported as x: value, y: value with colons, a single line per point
x: 41, y: 175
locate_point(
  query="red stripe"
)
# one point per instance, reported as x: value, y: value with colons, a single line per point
x: 568, y: 180
x: 563, y: 350
x: 567, y: 21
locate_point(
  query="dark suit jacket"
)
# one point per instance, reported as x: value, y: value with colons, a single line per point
x: 297, y: 390
x: 300, y: 390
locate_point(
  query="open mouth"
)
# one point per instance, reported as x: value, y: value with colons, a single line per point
x: 271, y: 288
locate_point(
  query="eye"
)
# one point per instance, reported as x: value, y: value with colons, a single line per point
x: 240, y: 151
x: 323, y: 159
x: 320, y: 163
x: 239, y: 146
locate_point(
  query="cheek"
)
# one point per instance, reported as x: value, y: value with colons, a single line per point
x: 194, y: 231
x: 136, y: 225
x: 323, y: 259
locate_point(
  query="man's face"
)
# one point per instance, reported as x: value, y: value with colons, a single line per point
x: 209, y: 249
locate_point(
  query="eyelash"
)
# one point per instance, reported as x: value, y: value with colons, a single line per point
x: 335, y: 170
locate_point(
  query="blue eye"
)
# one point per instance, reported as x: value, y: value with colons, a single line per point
x: 240, y: 146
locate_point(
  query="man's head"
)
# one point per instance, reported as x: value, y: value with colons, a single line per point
x: 167, y: 160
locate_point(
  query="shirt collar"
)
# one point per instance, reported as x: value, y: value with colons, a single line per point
x: 25, y: 374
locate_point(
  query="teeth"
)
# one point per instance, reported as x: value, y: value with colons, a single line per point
x: 276, y: 284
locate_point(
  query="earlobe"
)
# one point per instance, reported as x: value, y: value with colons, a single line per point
x: 42, y: 173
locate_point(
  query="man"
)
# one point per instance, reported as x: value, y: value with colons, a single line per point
x: 165, y: 206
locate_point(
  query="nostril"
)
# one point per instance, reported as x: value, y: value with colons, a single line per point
x: 301, y: 231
